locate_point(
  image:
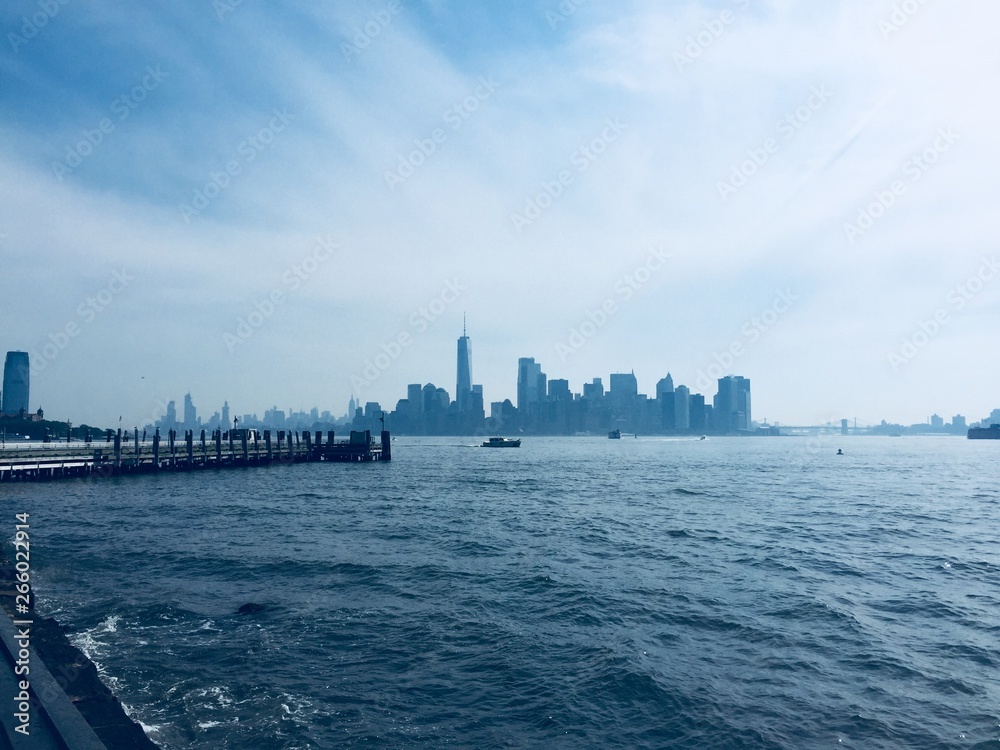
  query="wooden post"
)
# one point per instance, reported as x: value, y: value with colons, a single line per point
x: 329, y: 437
x: 386, y: 446
x: 267, y: 443
x: 218, y: 447
x: 170, y: 440
x: 243, y: 441
x: 204, y: 448
x: 291, y: 450
x: 118, y: 449
x: 156, y: 450
x: 189, y: 437
x: 305, y: 435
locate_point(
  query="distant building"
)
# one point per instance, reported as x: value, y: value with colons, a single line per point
x: 666, y: 385
x: 463, y: 385
x: 594, y: 390
x: 698, y: 418
x: 190, y: 413
x: 843, y: 427
x: 170, y: 420
x: 682, y: 408
x: 732, y: 405
x: 16, y: 378
x: 958, y: 423
x: 559, y: 390
x: 937, y: 423
x: 531, y: 383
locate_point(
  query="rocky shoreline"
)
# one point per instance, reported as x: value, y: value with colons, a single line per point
x: 76, y: 674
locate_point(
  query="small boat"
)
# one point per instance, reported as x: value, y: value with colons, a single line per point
x: 501, y: 442
x: 615, y: 435
x: 703, y: 437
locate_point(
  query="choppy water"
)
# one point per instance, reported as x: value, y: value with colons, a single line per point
x: 728, y: 593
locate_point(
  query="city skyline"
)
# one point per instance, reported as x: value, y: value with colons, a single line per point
x: 532, y: 386
x: 625, y: 186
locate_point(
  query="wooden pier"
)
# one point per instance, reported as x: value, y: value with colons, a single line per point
x: 126, y: 454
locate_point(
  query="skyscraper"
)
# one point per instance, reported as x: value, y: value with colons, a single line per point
x: 190, y: 413
x: 463, y: 387
x: 531, y: 384
x: 15, y: 383
x: 682, y: 408
x: 732, y: 404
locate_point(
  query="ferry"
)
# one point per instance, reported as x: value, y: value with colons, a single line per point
x: 985, y: 433
x: 502, y: 442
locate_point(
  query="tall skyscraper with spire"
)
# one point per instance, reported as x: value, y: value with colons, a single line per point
x: 463, y: 387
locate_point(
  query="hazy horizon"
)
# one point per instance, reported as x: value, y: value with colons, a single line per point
x: 250, y: 203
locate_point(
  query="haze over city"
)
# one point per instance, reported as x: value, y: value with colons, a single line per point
x: 259, y: 204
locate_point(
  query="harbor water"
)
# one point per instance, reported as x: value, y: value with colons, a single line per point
x: 571, y: 593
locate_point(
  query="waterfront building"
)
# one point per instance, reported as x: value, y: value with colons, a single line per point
x: 16, y: 380
x: 682, y: 408
x: 732, y: 405
x: 190, y: 413
x: 531, y: 388
x: 593, y: 391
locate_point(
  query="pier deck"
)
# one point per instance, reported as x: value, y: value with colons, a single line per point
x: 127, y: 455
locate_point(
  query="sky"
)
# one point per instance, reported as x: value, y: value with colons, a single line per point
x: 287, y: 205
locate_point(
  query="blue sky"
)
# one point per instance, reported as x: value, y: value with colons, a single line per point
x: 822, y: 179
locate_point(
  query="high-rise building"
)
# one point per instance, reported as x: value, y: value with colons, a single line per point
x: 732, y: 404
x: 682, y: 408
x: 463, y: 386
x: 531, y: 382
x: 559, y: 390
x: 190, y: 413
x: 170, y: 420
x: 16, y: 372
x: 593, y: 390
x: 666, y: 385
x: 698, y: 417
x: 226, y: 424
